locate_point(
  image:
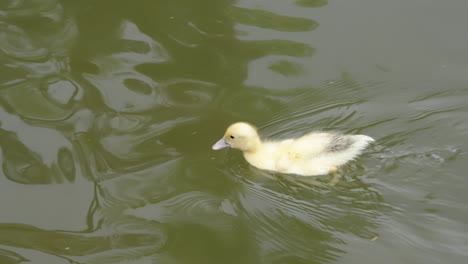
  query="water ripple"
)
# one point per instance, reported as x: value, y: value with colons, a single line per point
x: 286, y: 219
x: 192, y: 207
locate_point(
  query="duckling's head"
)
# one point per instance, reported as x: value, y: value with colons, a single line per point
x: 241, y: 136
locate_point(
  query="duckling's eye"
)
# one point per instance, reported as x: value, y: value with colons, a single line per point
x: 231, y: 136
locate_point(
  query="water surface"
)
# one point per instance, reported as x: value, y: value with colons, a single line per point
x: 108, y: 110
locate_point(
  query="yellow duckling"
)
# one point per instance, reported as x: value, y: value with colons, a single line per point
x: 313, y: 154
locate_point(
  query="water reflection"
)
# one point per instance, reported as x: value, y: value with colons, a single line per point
x: 124, y: 97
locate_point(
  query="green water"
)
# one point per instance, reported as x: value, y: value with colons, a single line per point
x: 109, y: 109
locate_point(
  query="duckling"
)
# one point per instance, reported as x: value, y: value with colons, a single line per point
x: 316, y: 153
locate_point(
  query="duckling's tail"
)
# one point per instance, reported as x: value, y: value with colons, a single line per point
x: 356, y: 144
x: 362, y: 141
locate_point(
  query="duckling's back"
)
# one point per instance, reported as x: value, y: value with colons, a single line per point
x: 318, y: 153
x: 311, y: 154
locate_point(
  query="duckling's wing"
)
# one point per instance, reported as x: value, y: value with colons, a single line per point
x: 312, y: 144
x: 349, y: 142
x: 346, y: 147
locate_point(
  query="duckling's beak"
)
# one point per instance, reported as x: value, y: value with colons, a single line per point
x: 221, y: 144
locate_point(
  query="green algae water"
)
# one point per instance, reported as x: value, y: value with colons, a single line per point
x: 109, y: 109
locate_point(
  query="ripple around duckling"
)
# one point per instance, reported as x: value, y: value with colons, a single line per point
x: 445, y: 240
x: 332, y: 110
x: 302, y: 121
x: 418, y: 175
x: 288, y: 216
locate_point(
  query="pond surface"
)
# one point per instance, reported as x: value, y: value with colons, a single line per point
x: 109, y: 109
